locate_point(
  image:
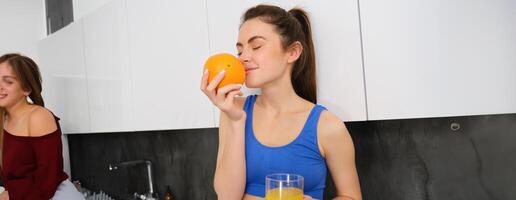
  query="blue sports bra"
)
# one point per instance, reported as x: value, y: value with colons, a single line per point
x: 301, y: 156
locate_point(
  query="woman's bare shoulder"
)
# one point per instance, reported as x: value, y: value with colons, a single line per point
x: 41, y: 122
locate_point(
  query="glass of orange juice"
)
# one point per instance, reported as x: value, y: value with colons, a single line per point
x: 284, y: 187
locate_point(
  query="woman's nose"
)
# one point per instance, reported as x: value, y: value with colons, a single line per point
x: 244, y: 57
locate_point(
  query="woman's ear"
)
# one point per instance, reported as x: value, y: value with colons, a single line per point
x: 26, y: 92
x: 294, y: 51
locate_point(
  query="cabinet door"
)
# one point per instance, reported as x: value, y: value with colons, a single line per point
x: 168, y: 47
x: 435, y: 58
x: 224, y: 18
x: 340, y: 78
x: 336, y: 33
x: 64, y: 77
x: 106, y: 50
x: 82, y: 8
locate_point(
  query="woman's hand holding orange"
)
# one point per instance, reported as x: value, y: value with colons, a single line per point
x: 224, y: 97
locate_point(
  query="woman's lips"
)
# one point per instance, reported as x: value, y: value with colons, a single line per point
x: 248, y: 70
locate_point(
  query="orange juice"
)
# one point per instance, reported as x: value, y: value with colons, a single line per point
x: 288, y: 193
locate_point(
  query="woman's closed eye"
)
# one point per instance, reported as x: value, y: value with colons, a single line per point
x: 8, y: 81
x: 254, y: 48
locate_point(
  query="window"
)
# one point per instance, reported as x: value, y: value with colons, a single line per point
x: 59, y: 13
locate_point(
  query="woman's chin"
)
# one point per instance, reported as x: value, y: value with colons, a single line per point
x: 251, y: 84
x: 4, y: 103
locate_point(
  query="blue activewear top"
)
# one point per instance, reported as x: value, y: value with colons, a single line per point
x: 301, y: 156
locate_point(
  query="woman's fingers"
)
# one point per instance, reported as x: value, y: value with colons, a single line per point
x: 213, y: 84
x: 222, y: 97
x: 204, y: 80
x: 228, y: 88
x: 204, y: 86
x: 222, y: 93
x: 210, y: 89
x: 231, y: 95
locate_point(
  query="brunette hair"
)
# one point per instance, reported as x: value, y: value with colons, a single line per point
x: 292, y: 26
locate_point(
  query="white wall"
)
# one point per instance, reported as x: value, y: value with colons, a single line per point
x: 22, y: 25
x: 84, y: 7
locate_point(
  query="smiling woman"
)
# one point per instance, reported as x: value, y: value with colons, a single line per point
x: 32, y: 161
x: 283, y: 130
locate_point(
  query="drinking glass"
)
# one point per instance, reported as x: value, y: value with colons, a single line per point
x: 284, y: 187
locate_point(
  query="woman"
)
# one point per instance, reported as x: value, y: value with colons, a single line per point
x: 32, y: 161
x: 281, y: 130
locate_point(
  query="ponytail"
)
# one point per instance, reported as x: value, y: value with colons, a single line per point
x: 293, y: 26
x: 303, y: 74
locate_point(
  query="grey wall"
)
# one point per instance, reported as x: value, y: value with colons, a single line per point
x: 415, y: 159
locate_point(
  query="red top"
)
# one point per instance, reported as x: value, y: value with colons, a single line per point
x: 32, y: 167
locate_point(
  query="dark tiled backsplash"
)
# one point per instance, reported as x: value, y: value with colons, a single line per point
x: 183, y: 159
x: 414, y: 159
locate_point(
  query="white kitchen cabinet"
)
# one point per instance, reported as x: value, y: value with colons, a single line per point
x: 436, y: 58
x: 224, y: 18
x: 136, y: 65
x: 82, y: 8
x: 106, y: 50
x: 64, y: 77
x: 340, y: 78
x: 336, y: 35
x: 168, y: 46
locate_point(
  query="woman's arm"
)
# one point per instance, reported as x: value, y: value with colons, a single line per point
x: 337, y: 147
x: 230, y: 171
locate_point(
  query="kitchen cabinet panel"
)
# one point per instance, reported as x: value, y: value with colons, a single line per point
x: 439, y: 58
x: 64, y: 77
x: 106, y: 49
x: 340, y: 78
x: 168, y: 46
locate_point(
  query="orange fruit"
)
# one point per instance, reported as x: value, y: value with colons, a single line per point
x: 234, y: 70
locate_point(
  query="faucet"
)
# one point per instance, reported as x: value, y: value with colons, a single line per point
x: 150, y: 194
